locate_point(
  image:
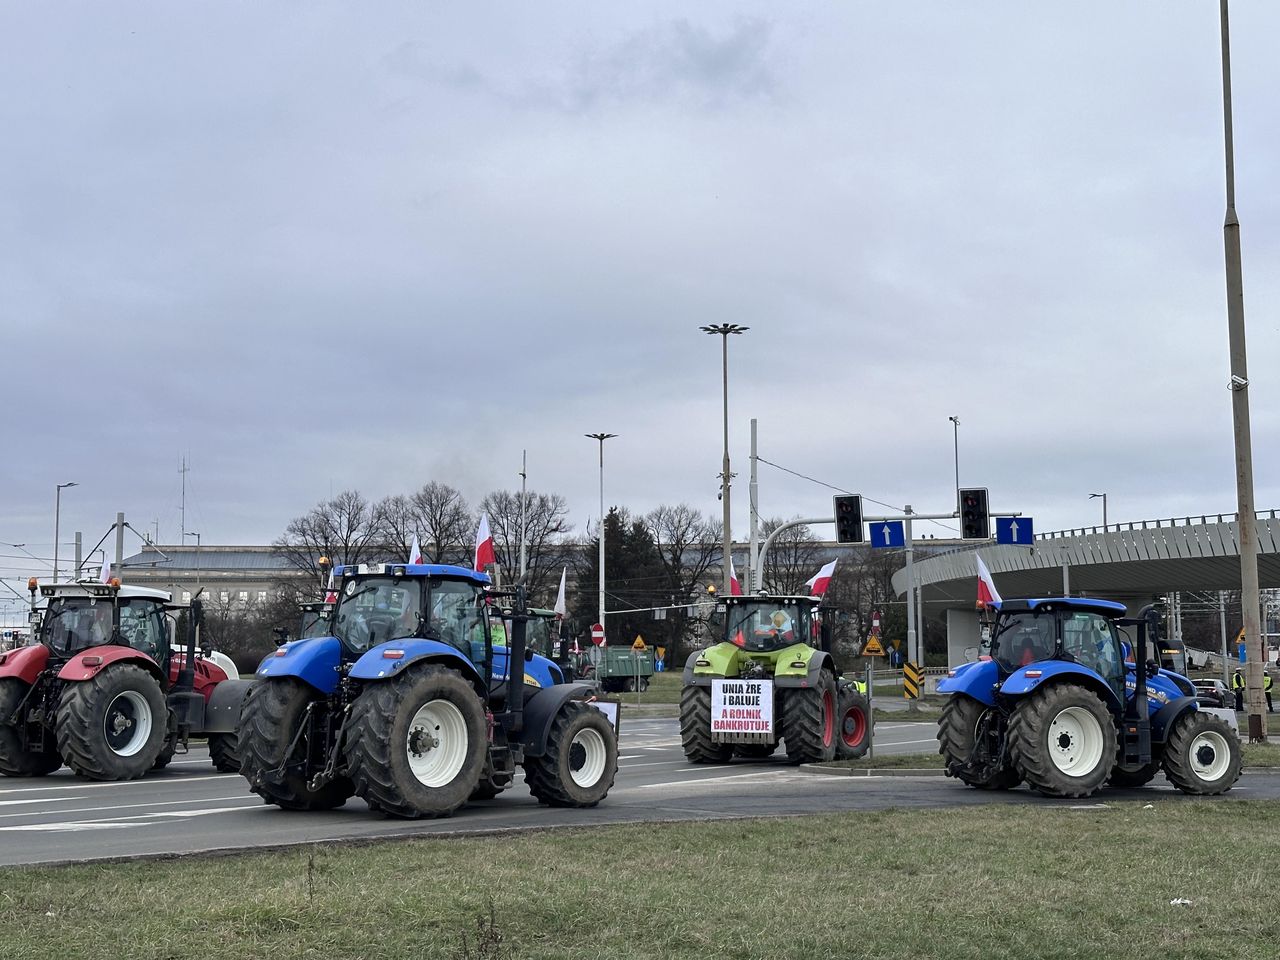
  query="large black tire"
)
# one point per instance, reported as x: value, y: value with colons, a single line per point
x: 809, y: 721
x: 1202, y: 754
x: 853, y: 724
x: 417, y: 743
x: 957, y: 738
x: 754, y: 751
x: 112, y: 727
x: 1062, y: 739
x: 166, y: 756
x: 14, y: 760
x: 269, y: 720
x: 1132, y: 779
x: 224, y: 752
x: 695, y: 728
x: 580, y: 762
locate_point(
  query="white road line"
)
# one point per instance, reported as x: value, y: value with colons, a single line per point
x: 116, y: 823
x: 70, y: 784
x: 732, y: 776
x: 131, y: 806
x: 10, y: 803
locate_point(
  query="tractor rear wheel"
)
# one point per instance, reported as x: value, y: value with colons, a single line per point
x: 695, y: 728
x: 966, y: 742
x: 1063, y: 740
x: 1202, y: 754
x: 417, y: 743
x: 15, y: 761
x: 853, y: 726
x: 580, y: 761
x: 270, y: 718
x: 113, y: 726
x: 809, y: 721
x: 223, y: 752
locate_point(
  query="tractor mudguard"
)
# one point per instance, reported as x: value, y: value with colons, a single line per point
x: 787, y: 675
x: 1019, y: 683
x: 713, y: 663
x: 222, y: 712
x: 312, y: 661
x: 1163, y: 719
x: 25, y: 663
x: 976, y: 680
x: 374, y: 665
x: 99, y: 658
x: 540, y: 709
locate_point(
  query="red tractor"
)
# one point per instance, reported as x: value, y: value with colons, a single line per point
x: 103, y: 691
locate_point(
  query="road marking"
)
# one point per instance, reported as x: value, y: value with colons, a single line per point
x: 126, y: 806
x: 115, y: 823
x: 10, y: 803
x: 732, y: 776
x: 148, y: 782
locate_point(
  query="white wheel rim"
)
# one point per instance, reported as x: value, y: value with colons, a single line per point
x: 437, y: 743
x: 587, y: 757
x: 1075, y: 742
x: 127, y: 723
x: 1209, y: 756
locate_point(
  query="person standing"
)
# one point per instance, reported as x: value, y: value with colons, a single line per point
x: 1237, y: 686
x: 1266, y: 688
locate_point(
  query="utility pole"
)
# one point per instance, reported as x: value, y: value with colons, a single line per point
x: 1255, y: 645
x: 723, y: 330
x: 182, y: 510
x: 602, y: 437
x: 524, y: 475
x: 753, y: 577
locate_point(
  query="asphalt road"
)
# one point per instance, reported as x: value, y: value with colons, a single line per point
x: 190, y: 808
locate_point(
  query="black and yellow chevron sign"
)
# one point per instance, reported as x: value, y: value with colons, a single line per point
x: 912, y: 680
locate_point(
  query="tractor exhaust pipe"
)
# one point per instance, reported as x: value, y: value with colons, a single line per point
x: 515, y: 660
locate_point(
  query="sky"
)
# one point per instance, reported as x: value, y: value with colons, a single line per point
x: 316, y: 247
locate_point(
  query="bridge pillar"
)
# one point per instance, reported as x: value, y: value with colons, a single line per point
x: 964, y: 632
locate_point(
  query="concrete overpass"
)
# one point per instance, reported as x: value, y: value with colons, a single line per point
x: 1131, y: 563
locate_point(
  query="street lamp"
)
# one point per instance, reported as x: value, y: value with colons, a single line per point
x: 723, y: 330
x: 57, y: 516
x: 955, y: 430
x: 602, y: 437
x: 1094, y: 496
x: 190, y: 533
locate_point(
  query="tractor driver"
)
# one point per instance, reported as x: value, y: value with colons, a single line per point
x: 1035, y: 641
x: 778, y: 625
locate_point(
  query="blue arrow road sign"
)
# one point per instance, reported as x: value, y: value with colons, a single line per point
x: 1019, y: 530
x: 888, y: 533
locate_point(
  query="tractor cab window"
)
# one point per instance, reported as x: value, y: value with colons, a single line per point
x: 457, y: 617
x: 1091, y: 640
x: 539, y: 635
x: 767, y: 625
x: 143, y: 627
x: 1023, y: 638
x: 374, y: 610
x: 71, y: 624
x: 315, y: 623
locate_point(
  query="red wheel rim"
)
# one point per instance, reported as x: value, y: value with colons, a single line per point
x: 853, y: 727
x: 828, y: 717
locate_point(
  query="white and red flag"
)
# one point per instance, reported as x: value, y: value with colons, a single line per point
x: 484, y: 544
x: 988, y: 595
x: 560, y: 608
x: 330, y: 594
x: 819, y: 582
x: 415, y: 551
x: 735, y: 587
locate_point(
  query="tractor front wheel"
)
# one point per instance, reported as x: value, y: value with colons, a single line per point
x: 270, y: 720
x: 967, y: 741
x: 580, y: 761
x: 853, y: 724
x: 1202, y: 754
x: 113, y: 726
x: 15, y: 761
x: 417, y: 743
x: 695, y: 728
x: 224, y: 753
x: 809, y: 721
x: 1063, y: 740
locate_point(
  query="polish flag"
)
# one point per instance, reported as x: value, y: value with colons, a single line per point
x: 560, y: 608
x: 988, y: 595
x: 735, y: 588
x: 818, y: 583
x: 415, y: 552
x: 484, y: 544
x: 330, y: 594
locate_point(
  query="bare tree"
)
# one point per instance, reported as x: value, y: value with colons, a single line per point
x: 437, y: 515
x: 688, y: 544
x: 546, y: 524
x: 793, y: 558
x: 346, y: 529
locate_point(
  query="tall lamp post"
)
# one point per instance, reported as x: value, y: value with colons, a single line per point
x: 189, y: 533
x: 955, y: 432
x: 601, y: 437
x: 724, y: 330
x: 1094, y: 496
x: 57, y: 516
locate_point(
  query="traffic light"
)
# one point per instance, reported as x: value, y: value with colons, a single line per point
x: 848, y: 510
x: 975, y: 521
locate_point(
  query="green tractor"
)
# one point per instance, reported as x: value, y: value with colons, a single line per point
x: 766, y: 682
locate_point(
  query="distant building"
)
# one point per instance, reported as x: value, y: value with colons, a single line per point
x: 235, y: 574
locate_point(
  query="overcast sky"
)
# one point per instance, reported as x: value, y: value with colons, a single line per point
x: 319, y: 246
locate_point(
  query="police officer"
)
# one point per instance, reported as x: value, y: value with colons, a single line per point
x: 1237, y: 685
x: 1266, y: 688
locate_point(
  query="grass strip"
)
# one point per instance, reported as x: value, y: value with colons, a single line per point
x: 1036, y: 880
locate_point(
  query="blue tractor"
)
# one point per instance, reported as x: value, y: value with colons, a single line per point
x: 411, y: 705
x: 1062, y: 701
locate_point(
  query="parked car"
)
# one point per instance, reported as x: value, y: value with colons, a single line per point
x: 1217, y: 691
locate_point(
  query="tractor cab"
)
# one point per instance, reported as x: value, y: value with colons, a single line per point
x: 1075, y: 630
x: 78, y: 616
x: 768, y: 624
x: 316, y: 620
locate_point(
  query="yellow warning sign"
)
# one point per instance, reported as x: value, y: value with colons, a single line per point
x: 873, y: 647
x: 639, y: 644
x: 912, y: 680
